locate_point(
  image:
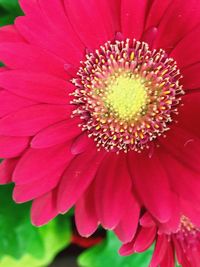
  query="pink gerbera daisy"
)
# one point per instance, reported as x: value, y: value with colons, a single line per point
x: 182, y: 243
x: 99, y: 107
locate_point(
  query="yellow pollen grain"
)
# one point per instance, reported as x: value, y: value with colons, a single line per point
x: 126, y: 96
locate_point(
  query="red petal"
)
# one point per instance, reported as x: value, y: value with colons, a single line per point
x: 84, y: 17
x: 11, y: 147
x: 159, y: 251
x: 174, y: 24
x: 77, y: 178
x: 113, y: 187
x: 56, y: 134
x: 39, y: 87
x: 44, y: 209
x: 85, y: 213
x: 152, y: 185
x: 11, y: 103
x: 133, y: 17
x: 182, y: 54
x: 144, y: 239
x: 6, y: 170
x: 28, y: 121
x: 37, y: 164
x: 31, y: 58
x: 127, y: 227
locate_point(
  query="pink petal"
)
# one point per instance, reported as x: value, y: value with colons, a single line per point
x: 182, y: 54
x: 28, y: 121
x: 147, y: 220
x: 133, y: 15
x: 191, y: 78
x: 127, y: 249
x: 31, y: 58
x: 44, y: 209
x: 56, y: 134
x: 37, y: 164
x: 149, y: 36
x: 6, y: 170
x: 11, y: 147
x: 77, y: 178
x: 144, y: 239
x: 26, y: 192
x: 127, y: 227
x: 80, y: 144
x: 10, y: 34
x: 189, y: 113
x: 11, y: 103
x: 156, y: 13
x: 39, y: 87
x: 169, y: 259
x: 174, y: 24
x: 190, y: 183
x: 152, y: 185
x: 84, y: 17
x: 113, y: 187
x: 40, y: 30
x: 85, y: 213
x: 159, y: 251
x: 184, y: 146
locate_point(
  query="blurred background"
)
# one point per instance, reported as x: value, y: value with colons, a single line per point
x: 56, y: 244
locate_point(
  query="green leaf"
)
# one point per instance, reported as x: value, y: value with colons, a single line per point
x: 22, y: 244
x: 9, y: 10
x: 106, y: 255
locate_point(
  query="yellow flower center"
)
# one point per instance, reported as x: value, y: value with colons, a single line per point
x: 126, y: 95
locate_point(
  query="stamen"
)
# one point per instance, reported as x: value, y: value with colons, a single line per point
x: 126, y: 95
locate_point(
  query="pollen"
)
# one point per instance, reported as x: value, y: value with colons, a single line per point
x: 126, y: 95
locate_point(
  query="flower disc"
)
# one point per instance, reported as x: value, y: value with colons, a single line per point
x: 127, y: 95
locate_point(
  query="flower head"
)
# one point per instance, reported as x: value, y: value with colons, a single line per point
x: 99, y: 109
x: 182, y: 243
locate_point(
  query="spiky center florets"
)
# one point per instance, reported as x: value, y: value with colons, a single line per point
x: 126, y: 94
x: 188, y: 234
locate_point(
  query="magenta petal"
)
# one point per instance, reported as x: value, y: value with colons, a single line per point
x: 147, y: 174
x: 6, y: 170
x: 84, y: 17
x: 44, y: 209
x: 112, y: 195
x: 144, y: 239
x: 11, y: 147
x: 127, y: 227
x: 80, y: 144
x: 77, y: 178
x: 169, y: 258
x: 41, y: 30
x: 30, y: 120
x: 10, y: 34
x: 31, y: 58
x: 11, y: 103
x: 159, y: 251
x: 31, y: 165
x: 185, y: 56
x: 191, y: 78
x: 26, y: 192
x: 56, y: 134
x: 85, y: 213
x: 133, y: 17
x: 156, y: 13
x: 35, y: 86
x: 127, y: 249
x: 174, y: 23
